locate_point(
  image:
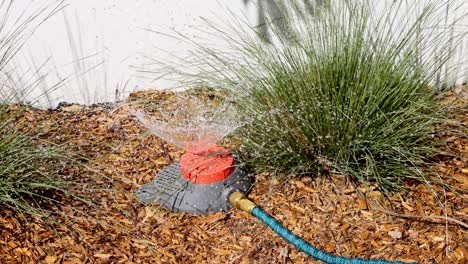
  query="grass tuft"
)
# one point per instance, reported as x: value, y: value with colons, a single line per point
x: 32, y: 174
x: 29, y: 172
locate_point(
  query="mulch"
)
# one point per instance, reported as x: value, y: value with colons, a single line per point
x: 329, y: 212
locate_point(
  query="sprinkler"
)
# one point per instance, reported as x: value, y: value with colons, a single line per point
x: 201, y: 182
x: 209, y: 178
x: 206, y: 175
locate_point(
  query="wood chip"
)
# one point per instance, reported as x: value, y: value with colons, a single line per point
x: 395, y: 234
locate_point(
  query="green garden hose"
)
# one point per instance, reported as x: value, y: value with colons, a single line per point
x: 239, y: 201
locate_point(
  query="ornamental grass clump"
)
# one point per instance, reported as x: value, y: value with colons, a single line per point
x: 32, y: 170
x: 347, y: 89
x: 30, y: 178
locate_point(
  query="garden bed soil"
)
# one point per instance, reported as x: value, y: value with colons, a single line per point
x: 329, y: 212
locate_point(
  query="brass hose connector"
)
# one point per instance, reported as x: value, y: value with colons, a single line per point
x: 240, y: 201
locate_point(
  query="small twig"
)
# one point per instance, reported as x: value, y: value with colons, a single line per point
x: 430, y: 218
x: 166, y: 151
x: 151, y: 214
x: 447, y: 246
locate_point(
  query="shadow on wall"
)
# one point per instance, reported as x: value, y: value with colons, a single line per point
x: 271, y: 10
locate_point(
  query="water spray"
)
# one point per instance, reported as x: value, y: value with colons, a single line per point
x: 208, y: 178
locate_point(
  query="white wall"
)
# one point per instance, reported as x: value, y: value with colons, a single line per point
x: 115, y: 31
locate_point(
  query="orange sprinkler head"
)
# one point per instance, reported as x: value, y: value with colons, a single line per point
x: 207, y: 166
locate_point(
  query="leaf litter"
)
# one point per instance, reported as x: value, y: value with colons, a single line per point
x: 329, y: 212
